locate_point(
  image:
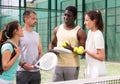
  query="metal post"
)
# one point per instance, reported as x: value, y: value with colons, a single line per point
x: 83, y: 13
x: 76, y: 1
x: 0, y: 16
x: 55, y: 12
x: 20, y: 11
x: 49, y: 20
x: 61, y: 12
x: 25, y: 4
x: 106, y: 28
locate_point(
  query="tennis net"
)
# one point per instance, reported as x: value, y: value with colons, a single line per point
x: 100, y: 80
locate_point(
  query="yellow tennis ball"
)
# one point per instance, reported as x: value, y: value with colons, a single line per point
x: 80, y: 50
x: 81, y: 47
x: 64, y: 44
x: 75, y: 49
x: 67, y: 42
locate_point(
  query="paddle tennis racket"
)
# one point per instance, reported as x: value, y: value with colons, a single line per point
x: 62, y: 50
x: 47, y: 62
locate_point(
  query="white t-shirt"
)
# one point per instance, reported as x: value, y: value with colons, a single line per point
x: 94, y: 67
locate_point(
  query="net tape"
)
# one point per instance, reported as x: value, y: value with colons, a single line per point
x: 100, y: 80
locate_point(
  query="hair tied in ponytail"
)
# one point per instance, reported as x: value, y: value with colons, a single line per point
x: 98, y: 11
x: 6, y: 35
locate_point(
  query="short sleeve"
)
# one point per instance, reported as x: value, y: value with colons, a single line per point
x: 99, y: 41
x: 6, y: 46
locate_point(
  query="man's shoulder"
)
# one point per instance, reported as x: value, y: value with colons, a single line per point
x: 35, y: 32
x: 57, y: 27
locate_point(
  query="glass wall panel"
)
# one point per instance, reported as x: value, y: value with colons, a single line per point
x: 50, y: 14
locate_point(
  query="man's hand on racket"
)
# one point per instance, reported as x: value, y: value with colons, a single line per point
x: 29, y: 67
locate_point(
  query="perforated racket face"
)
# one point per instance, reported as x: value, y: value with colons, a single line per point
x: 48, y: 61
x: 62, y: 50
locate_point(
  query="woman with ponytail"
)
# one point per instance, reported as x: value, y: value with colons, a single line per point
x: 8, y: 44
x: 94, y: 48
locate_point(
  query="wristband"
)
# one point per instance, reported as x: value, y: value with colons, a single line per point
x: 23, y: 65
